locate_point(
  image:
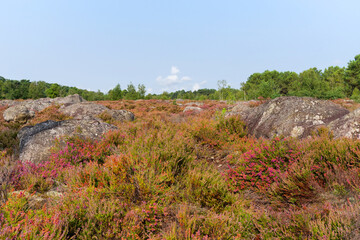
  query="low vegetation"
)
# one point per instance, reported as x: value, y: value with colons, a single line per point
x: 174, y: 175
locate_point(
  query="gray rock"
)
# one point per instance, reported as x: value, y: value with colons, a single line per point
x: 18, y: 113
x: 238, y: 108
x: 193, y: 109
x: 347, y: 126
x: 54, y: 194
x: 121, y: 115
x: 9, y: 103
x: 80, y: 110
x: 194, y: 104
x: 21, y: 193
x: 38, y: 105
x: 27, y: 109
x: 71, y: 99
x: 36, y: 141
x: 35, y: 201
x: 86, y: 109
x: 291, y: 116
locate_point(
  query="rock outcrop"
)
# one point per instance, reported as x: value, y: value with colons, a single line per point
x: 19, y: 111
x: 347, y: 126
x: 121, y: 115
x: 291, y: 116
x: 37, y: 200
x: 81, y: 110
x: 36, y: 141
x: 38, y: 105
x: 74, y: 106
x: 71, y: 99
x: 89, y: 109
x: 198, y: 104
x: 239, y: 108
x: 9, y: 103
x: 192, y: 109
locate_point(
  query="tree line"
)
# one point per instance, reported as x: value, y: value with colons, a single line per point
x: 334, y: 82
x: 24, y: 89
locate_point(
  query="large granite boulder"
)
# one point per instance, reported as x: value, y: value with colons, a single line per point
x: 36, y: 141
x: 81, y: 110
x: 9, y: 103
x: 192, y: 109
x: 38, y: 105
x: 291, y: 116
x: 18, y: 113
x: 347, y: 126
x: 27, y: 109
x: 121, y: 115
x: 239, y: 108
x: 198, y: 104
x: 71, y: 99
x: 89, y: 109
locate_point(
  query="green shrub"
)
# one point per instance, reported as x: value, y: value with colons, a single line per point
x: 232, y: 125
x: 204, y: 186
x: 8, y: 140
x: 355, y: 94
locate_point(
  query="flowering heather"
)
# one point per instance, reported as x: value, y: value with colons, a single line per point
x: 263, y: 164
x: 77, y: 150
x: 39, y: 177
x: 175, y: 175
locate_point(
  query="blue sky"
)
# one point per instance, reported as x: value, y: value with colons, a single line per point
x: 170, y: 45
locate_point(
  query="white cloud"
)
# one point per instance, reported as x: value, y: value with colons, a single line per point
x: 184, y: 79
x: 172, y: 79
x: 175, y: 81
x: 174, y: 70
x: 197, y: 86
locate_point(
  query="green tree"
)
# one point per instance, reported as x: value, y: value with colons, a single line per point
x: 355, y: 94
x: 37, y: 90
x: 268, y: 84
x: 334, y: 77
x: 310, y: 83
x: 222, y: 85
x: 74, y: 90
x: 268, y: 89
x: 115, y: 93
x: 131, y: 92
x: 53, y: 91
x: 164, y: 96
x: 98, y: 96
x: 352, y: 74
x: 285, y: 80
x: 141, y: 91
x: 8, y: 90
x: 22, y: 89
